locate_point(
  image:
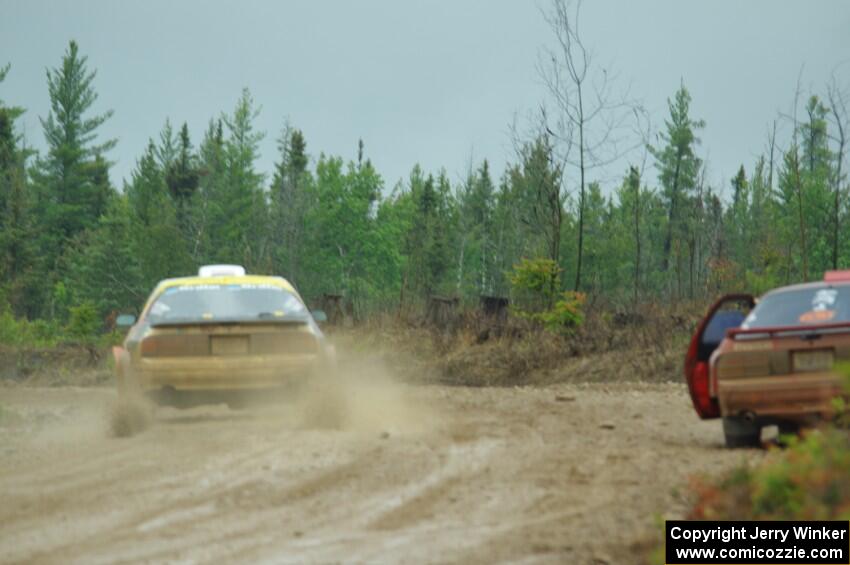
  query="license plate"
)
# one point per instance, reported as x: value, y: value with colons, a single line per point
x: 813, y: 360
x: 229, y: 345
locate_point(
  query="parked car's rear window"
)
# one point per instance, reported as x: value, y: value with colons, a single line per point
x: 225, y: 302
x: 803, y: 307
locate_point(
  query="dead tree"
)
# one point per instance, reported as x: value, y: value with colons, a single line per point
x: 591, y: 115
x: 838, y: 101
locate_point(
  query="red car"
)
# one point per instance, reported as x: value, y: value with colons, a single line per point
x: 772, y: 361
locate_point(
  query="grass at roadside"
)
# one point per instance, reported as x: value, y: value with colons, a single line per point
x: 470, y: 350
x: 57, y: 365
x: 804, y: 478
x: 644, y: 346
x: 807, y: 481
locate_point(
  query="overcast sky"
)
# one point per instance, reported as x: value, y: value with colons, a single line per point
x: 435, y: 83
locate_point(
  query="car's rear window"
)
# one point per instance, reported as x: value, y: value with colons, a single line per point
x: 803, y: 307
x: 232, y: 302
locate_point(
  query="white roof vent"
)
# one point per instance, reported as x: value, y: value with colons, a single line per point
x: 221, y: 271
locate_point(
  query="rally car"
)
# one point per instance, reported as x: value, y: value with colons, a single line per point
x: 775, y: 361
x: 219, y: 335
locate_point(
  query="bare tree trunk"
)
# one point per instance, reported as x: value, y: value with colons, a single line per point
x: 700, y: 219
x: 678, y: 271
x: 596, y: 119
x: 692, y: 244
x: 581, y: 189
x: 835, y: 217
x: 637, y: 241
x: 460, y: 263
x: 798, y: 184
x: 799, y: 187
x: 671, y: 217
x: 401, y: 294
x: 772, y: 145
x: 837, y: 103
x: 499, y: 259
x: 555, y: 250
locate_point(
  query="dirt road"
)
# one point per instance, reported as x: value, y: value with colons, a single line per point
x: 379, y: 473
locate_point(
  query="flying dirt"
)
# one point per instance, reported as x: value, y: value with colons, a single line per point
x: 357, y: 469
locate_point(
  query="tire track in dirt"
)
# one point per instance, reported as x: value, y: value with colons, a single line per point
x: 488, y: 474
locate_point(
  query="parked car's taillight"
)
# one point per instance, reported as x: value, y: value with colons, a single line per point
x: 696, y: 375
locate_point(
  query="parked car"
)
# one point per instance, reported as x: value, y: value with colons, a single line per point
x: 771, y: 361
x: 218, y: 335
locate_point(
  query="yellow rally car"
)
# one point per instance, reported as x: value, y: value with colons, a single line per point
x: 220, y: 336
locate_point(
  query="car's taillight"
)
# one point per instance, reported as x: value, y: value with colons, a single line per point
x: 705, y: 406
x: 696, y: 375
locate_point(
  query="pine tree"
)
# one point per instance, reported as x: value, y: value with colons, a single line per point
x: 540, y: 203
x: 344, y: 249
x: 239, y: 222
x: 72, y: 180
x: 737, y: 228
x: 9, y: 152
x: 207, y: 204
x: 19, y: 280
x: 103, y: 267
x: 166, y: 150
x: 678, y: 167
x: 182, y: 177
x: 816, y: 177
x: 156, y: 236
x: 291, y: 198
x: 19, y: 276
x: 477, y: 202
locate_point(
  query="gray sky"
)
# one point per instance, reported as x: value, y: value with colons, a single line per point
x: 434, y: 82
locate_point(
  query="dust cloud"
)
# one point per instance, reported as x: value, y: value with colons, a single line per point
x: 129, y: 416
x: 361, y: 395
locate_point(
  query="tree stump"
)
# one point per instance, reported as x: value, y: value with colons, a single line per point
x: 494, y: 308
x: 442, y: 311
x: 332, y: 304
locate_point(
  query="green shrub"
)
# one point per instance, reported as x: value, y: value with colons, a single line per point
x: 535, y: 285
x: 83, y: 328
x: 83, y: 322
x: 565, y: 313
x: 807, y: 482
x: 9, y: 331
x: 38, y: 333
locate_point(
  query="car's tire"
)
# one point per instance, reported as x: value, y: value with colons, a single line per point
x: 740, y: 432
x: 163, y: 397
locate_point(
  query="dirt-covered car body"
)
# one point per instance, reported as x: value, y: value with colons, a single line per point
x: 772, y: 361
x: 221, y: 332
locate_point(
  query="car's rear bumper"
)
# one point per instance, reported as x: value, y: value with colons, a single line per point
x: 797, y: 395
x: 224, y: 373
